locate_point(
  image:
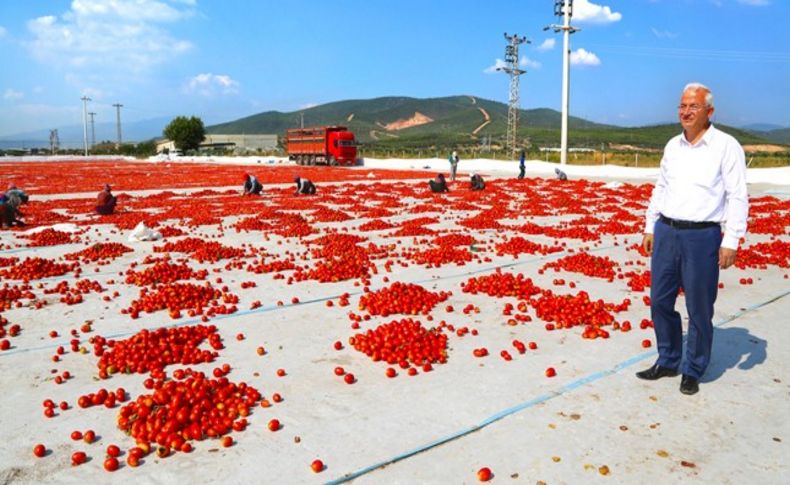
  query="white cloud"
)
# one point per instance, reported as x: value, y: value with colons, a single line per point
x: 208, y: 84
x: 308, y: 105
x: 135, y: 10
x: 498, y: 64
x: 12, y: 94
x: 664, y: 34
x: 2, y: 31
x: 547, y: 45
x: 38, y: 89
x: 586, y: 11
x: 527, y: 62
x: 581, y: 57
x: 119, y: 35
x: 755, y: 3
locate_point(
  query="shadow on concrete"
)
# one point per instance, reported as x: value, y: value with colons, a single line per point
x: 734, y: 347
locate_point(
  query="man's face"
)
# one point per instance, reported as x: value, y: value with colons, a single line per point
x: 693, y: 112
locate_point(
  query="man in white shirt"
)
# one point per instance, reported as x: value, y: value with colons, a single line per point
x: 701, y: 189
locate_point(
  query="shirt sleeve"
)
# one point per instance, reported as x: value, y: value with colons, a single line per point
x: 657, y: 199
x: 733, y: 173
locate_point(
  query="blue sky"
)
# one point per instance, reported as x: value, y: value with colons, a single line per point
x: 222, y: 60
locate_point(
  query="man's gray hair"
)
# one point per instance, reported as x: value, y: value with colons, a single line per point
x: 708, y: 93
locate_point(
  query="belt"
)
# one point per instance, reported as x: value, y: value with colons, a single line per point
x: 677, y: 224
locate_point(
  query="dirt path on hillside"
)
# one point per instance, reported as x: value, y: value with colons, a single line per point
x: 487, y: 119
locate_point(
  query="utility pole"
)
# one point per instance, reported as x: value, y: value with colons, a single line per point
x: 54, y: 141
x: 118, y: 107
x: 511, y: 59
x: 301, y: 117
x: 564, y: 8
x: 93, y: 130
x: 85, y: 100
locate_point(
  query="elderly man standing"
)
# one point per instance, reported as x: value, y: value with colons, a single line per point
x: 701, y: 190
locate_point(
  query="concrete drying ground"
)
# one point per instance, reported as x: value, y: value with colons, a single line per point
x: 595, y: 422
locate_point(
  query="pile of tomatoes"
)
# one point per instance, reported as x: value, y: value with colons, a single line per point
x: 49, y: 237
x: 761, y: 255
x: 501, y: 285
x: 36, y: 268
x: 183, y: 296
x: 637, y: 280
x: 566, y: 311
x: 519, y: 245
x: 11, y: 294
x: 436, y: 257
x: 73, y: 295
x: 405, y: 342
x: 164, y: 272
x: 401, y: 298
x: 200, y: 250
x: 99, y: 252
x: 194, y: 408
x: 586, y: 264
x: 153, y: 350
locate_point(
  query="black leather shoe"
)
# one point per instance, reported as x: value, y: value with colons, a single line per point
x: 656, y: 372
x: 689, y: 385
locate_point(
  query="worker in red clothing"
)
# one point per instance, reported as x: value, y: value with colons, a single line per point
x: 105, y: 201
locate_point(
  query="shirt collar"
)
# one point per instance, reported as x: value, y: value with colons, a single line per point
x: 706, y: 138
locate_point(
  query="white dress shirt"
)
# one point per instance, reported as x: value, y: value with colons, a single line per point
x: 702, y: 182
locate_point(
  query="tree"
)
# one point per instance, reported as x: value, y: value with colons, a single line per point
x: 186, y: 133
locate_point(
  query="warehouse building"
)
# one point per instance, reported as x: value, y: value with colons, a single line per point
x: 239, y: 144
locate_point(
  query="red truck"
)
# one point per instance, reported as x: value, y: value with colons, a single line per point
x: 331, y: 145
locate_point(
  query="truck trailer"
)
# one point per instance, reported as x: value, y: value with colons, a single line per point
x: 330, y: 145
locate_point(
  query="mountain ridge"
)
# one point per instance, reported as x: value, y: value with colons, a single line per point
x: 456, y: 121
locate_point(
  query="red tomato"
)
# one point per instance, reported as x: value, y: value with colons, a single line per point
x: 78, y: 458
x: 484, y: 474
x: 111, y: 464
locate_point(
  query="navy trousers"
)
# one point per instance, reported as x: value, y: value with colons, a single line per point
x: 687, y: 258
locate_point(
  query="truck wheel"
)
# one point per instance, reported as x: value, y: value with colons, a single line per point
x: 331, y: 161
x: 312, y: 161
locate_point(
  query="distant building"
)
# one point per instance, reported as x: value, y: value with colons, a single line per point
x: 234, y: 143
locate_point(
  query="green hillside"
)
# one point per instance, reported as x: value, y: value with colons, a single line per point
x: 453, y: 122
x: 781, y: 135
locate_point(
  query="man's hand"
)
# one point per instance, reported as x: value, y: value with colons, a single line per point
x: 647, y: 244
x: 726, y: 257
